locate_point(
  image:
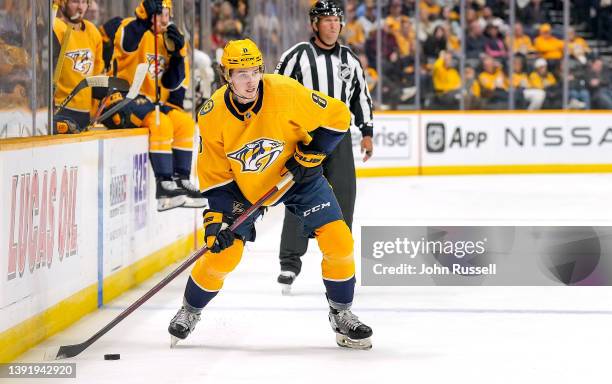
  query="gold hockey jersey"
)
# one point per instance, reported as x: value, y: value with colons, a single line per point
x: 127, y: 61
x: 251, y: 147
x: 83, y: 58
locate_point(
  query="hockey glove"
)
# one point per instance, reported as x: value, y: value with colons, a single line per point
x: 216, y: 232
x: 174, y: 40
x: 147, y: 8
x: 305, y: 165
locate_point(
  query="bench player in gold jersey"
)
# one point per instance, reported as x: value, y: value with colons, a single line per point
x: 170, y: 138
x: 254, y: 130
x: 82, y: 58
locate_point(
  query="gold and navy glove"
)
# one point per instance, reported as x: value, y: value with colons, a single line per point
x: 216, y: 231
x: 147, y: 8
x: 305, y: 165
x: 174, y: 40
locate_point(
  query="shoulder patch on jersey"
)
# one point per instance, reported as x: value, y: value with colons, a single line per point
x: 344, y: 72
x: 207, y: 107
x: 321, y: 102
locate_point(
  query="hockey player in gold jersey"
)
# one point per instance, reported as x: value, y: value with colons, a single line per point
x: 254, y: 130
x: 82, y: 58
x: 171, y: 137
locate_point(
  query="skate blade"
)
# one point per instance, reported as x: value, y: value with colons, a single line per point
x: 346, y: 342
x: 166, y: 203
x: 173, y: 341
x: 195, y: 203
x: 286, y: 289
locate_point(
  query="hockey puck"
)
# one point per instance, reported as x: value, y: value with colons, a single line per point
x: 112, y: 356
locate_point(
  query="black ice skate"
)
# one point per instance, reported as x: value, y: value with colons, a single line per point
x: 350, y: 332
x: 193, y: 196
x: 168, y: 195
x: 182, y: 324
x: 285, y: 279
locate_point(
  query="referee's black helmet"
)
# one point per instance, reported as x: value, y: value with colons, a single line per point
x: 326, y: 8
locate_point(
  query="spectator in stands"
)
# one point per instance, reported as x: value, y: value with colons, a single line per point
x: 493, y: 83
x: 368, y: 20
x: 446, y: 82
x: 353, y: 33
x: 577, y: 46
x: 548, y: 46
x: 579, y: 97
x: 217, y: 39
x: 599, y: 83
x: 405, y: 38
x: 473, y: 93
x: 541, y: 78
x: 425, y: 27
x: 525, y: 95
x: 242, y: 11
x: 533, y: 14
x: 435, y: 43
x: 453, y: 43
x: 500, y: 9
x: 603, y: 20
x: 489, y: 19
x: 470, y: 16
x: 522, y: 42
x: 370, y: 73
x: 267, y: 25
x: 388, y: 44
x: 230, y: 27
x: 475, y: 41
x: 394, y: 20
x: 494, y: 43
x: 432, y: 9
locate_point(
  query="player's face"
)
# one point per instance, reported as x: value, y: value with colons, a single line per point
x: 246, y: 83
x: 329, y: 29
x: 163, y: 20
x: 75, y: 10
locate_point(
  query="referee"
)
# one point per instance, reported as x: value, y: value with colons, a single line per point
x: 324, y: 65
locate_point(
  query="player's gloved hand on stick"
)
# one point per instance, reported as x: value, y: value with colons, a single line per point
x: 148, y: 8
x: 174, y: 40
x: 216, y: 231
x: 305, y: 165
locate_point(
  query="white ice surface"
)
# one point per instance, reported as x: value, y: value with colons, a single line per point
x: 252, y: 334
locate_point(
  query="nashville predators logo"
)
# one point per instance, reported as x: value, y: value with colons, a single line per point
x: 82, y: 61
x: 161, y: 65
x: 257, y: 155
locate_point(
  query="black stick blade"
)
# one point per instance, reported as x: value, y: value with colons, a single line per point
x: 68, y: 351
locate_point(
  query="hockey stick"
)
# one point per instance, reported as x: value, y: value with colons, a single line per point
x: 66, y: 351
x: 61, y: 58
x: 100, y: 81
x: 139, y: 76
x: 157, y: 91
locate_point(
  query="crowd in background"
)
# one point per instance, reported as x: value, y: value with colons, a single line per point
x: 495, y: 66
x: 534, y: 52
x: 526, y: 66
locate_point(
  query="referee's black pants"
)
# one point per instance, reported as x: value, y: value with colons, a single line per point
x: 339, y: 169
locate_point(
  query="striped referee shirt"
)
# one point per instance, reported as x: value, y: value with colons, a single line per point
x: 336, y: 72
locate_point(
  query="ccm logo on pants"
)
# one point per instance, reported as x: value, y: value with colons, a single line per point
x: 316, y: 208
